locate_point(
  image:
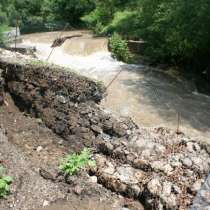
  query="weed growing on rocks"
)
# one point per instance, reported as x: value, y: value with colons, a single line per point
x: 5, y: 182
x: 38, y: 62
x: 72, y: 163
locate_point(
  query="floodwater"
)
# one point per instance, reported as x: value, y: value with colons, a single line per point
x: 150, y: 96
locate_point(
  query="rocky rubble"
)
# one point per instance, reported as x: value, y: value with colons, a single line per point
x: 162, y: 169
x: 66, y: 102
x: 157, y: 166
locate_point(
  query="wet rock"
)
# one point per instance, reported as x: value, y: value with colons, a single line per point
x: 196, y: 147
x: 119, y: 130
x: 160, y: 149
x: 46, y: 203
x: 134, y: 191
x: 39, y: 148
x: 1, y: 99
x: 107, y: 126
x: 200, y: 164
x: 126, y: 174
x: 167, y: 169
x: 167, y: 187
x: 130, y: 157
x: 187, y: 162
x: 141, y: 164
x: 176, y: 189
x: 162, y: 166
x: 70, y: 179
x: 188, y: 173
x: 105, y: 147
x: 146, y: 153
x: 46, y: 174
x: 185, y: 140
x: 154, y: 186
x: 104, y: 136
x: 196, y: 186
x: 96, y: 129
x: 93, y: 179
x: 190, y: 147
x: 62, y: 99
x: 174, y: 162
x: 119, y: 152
x: 109, y: 169
x: 78, y: 190
x: 170, y: 200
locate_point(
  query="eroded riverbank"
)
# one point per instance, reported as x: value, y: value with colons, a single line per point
x: 156, y: 166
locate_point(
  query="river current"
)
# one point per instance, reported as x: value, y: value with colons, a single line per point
x: 152, y: 97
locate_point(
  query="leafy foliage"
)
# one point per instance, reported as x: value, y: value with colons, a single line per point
x: 71, y: 164
x: 5, y: 182
x: 175, y: 31
x: 119, y: 48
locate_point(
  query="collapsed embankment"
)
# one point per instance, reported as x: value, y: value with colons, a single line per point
x: 66, y: 102
x: 156, y: 166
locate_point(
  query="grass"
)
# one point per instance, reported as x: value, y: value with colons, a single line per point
x: 72, y: 163
x: 38, y: 62
x: 5, y: 182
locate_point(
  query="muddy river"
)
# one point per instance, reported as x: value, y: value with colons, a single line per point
x: 150, y: 96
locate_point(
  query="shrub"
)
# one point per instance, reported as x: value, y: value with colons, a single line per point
x: 3, y: 28
x: 123, y: 22
x: 119, y: 48
x: 71, y: 164
x: 5, y: 182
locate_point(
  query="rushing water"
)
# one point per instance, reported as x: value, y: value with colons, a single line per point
x: 150, y: 96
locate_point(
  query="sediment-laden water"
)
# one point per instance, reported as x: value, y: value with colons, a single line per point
x: 151, y: 97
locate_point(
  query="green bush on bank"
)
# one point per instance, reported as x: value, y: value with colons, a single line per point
x: 3, y: 28
x: 119, y: 48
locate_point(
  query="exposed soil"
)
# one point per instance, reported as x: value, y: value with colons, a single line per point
x: 28, y: 146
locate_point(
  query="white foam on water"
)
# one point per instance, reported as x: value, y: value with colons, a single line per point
x: 95, y: 65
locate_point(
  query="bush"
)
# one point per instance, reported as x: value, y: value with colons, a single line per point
x: 3, y: 28
x: 124, y: 22
x: 71, y: 164
x: 119, y: 48
x: 5, y: 182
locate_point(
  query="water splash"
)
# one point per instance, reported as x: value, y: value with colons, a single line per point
x: 94, y: 65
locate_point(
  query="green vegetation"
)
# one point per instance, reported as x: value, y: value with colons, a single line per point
x: 119, y: 48
x: 5, y: 182
x: 175, y: 31
x: 3, y: 28
x: 71, y: 164
x: 38, y: 62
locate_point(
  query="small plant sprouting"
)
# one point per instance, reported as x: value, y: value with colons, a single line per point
x: 72, y: 163
x: 5, y: 182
